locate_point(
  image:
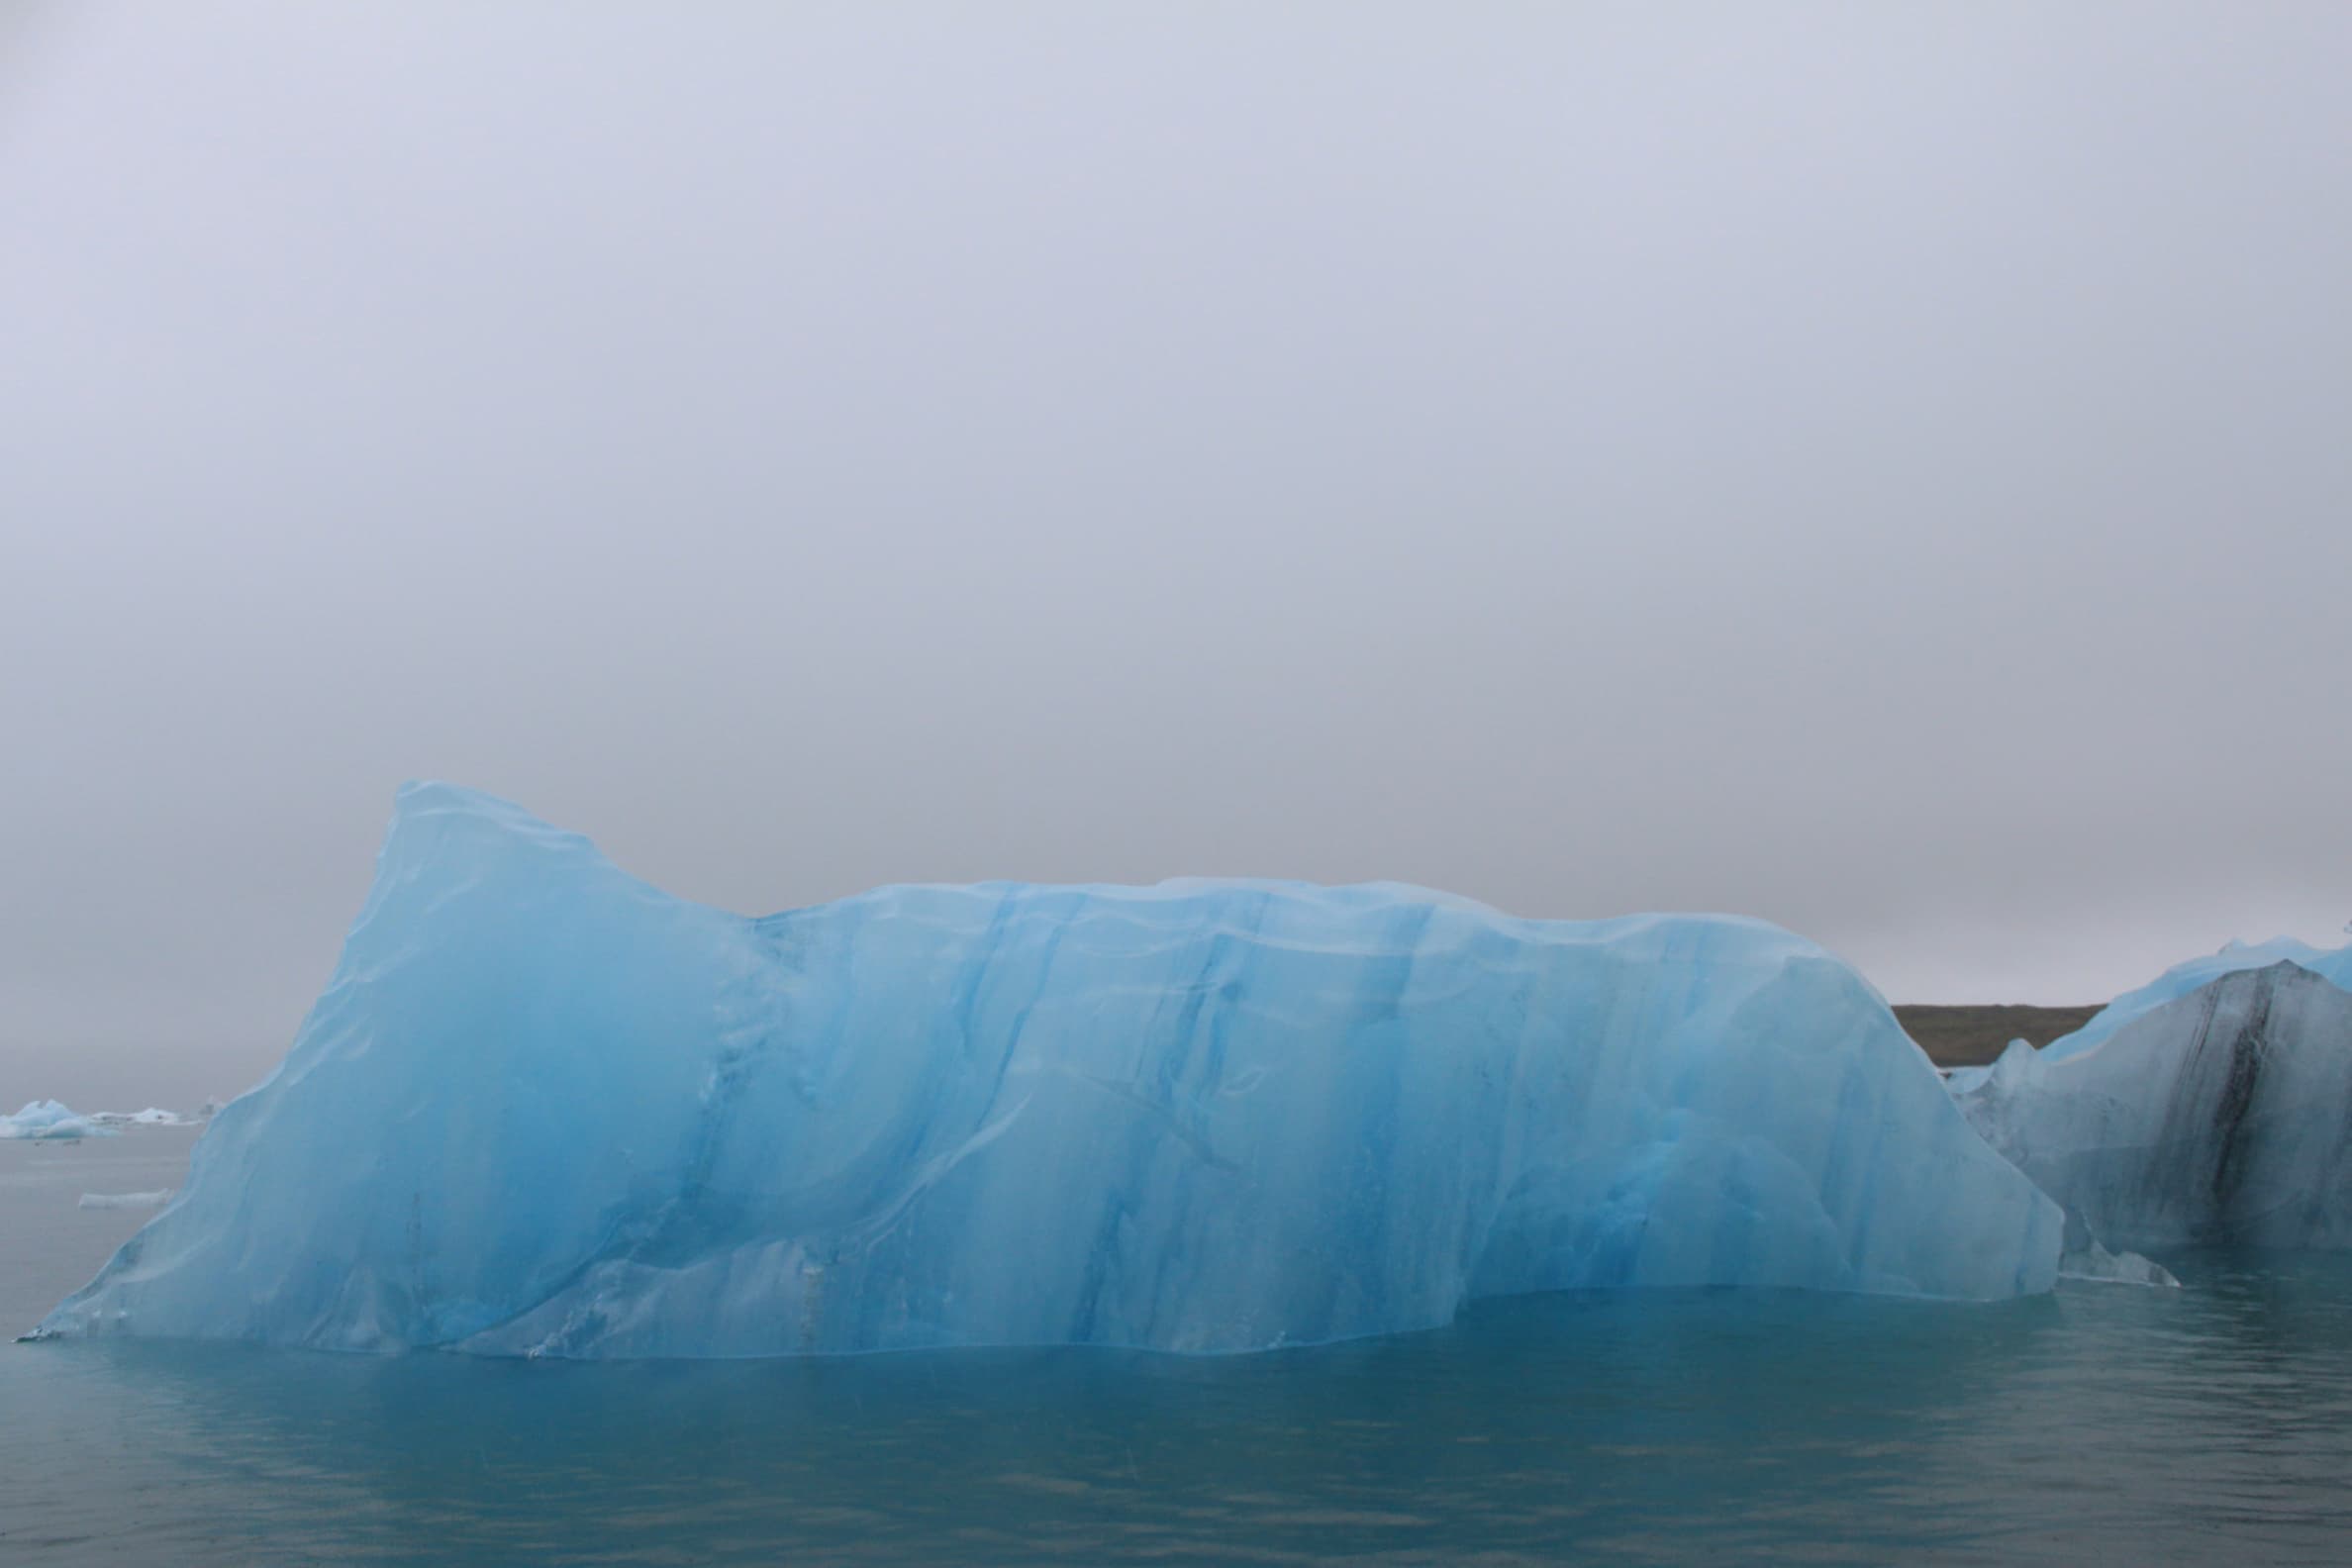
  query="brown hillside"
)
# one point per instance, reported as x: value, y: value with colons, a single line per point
x: 1970, y: 1036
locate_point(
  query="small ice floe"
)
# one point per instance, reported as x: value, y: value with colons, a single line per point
x: 47, y: 1119
x: 2098, y: 1266
x: 145, y: 1199
x: 151, y: 1116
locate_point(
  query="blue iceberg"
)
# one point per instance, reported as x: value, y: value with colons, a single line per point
x: 48, y: 1119
x: 544, y: 1108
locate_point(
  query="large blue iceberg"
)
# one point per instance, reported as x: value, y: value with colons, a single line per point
x: 544, y: 1109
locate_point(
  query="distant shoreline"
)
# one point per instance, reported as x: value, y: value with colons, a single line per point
x: 1972, y: 1035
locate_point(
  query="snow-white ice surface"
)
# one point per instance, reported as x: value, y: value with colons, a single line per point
x: 2221, y: 1116
x: 47, y: 1119
x: 542, y: 1108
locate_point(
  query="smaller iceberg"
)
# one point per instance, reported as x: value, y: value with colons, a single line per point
x: 47, y: 1119
x: 2220, y: 1116
x: 151, y: 1116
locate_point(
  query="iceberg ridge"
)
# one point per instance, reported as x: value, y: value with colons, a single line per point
x: 2332, y: 964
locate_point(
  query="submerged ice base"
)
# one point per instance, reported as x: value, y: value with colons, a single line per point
x: 544, y: 1109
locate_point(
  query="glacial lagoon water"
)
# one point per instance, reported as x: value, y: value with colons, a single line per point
x: 2104, y: 1423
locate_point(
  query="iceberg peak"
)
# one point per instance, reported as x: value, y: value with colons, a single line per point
x: 2332, y: 964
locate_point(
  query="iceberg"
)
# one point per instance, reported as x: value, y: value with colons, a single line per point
x: 2093, y: 1264
x: 2217, y: 1116
x: 151, y: 1116
x: 544, y: 1108
x: 47, y: 1119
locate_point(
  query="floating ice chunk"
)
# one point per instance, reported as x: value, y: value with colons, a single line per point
x: 2095, y: 1264
x: 1957, y: 1080
x: 133, y: 1200
x: 2217, y: 1116
x: 2333, y: 964
x: 47, y: 1119
x: 2085, y: 1259
x: 544, y: 1108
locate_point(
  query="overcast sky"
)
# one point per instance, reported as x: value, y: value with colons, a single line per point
x: 1885, y: 469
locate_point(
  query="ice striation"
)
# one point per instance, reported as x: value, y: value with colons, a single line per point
x: 2223, y: 1114
x: 544, y: 1109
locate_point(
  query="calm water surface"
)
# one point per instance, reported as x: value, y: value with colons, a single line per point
x: 2104, y: 1425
